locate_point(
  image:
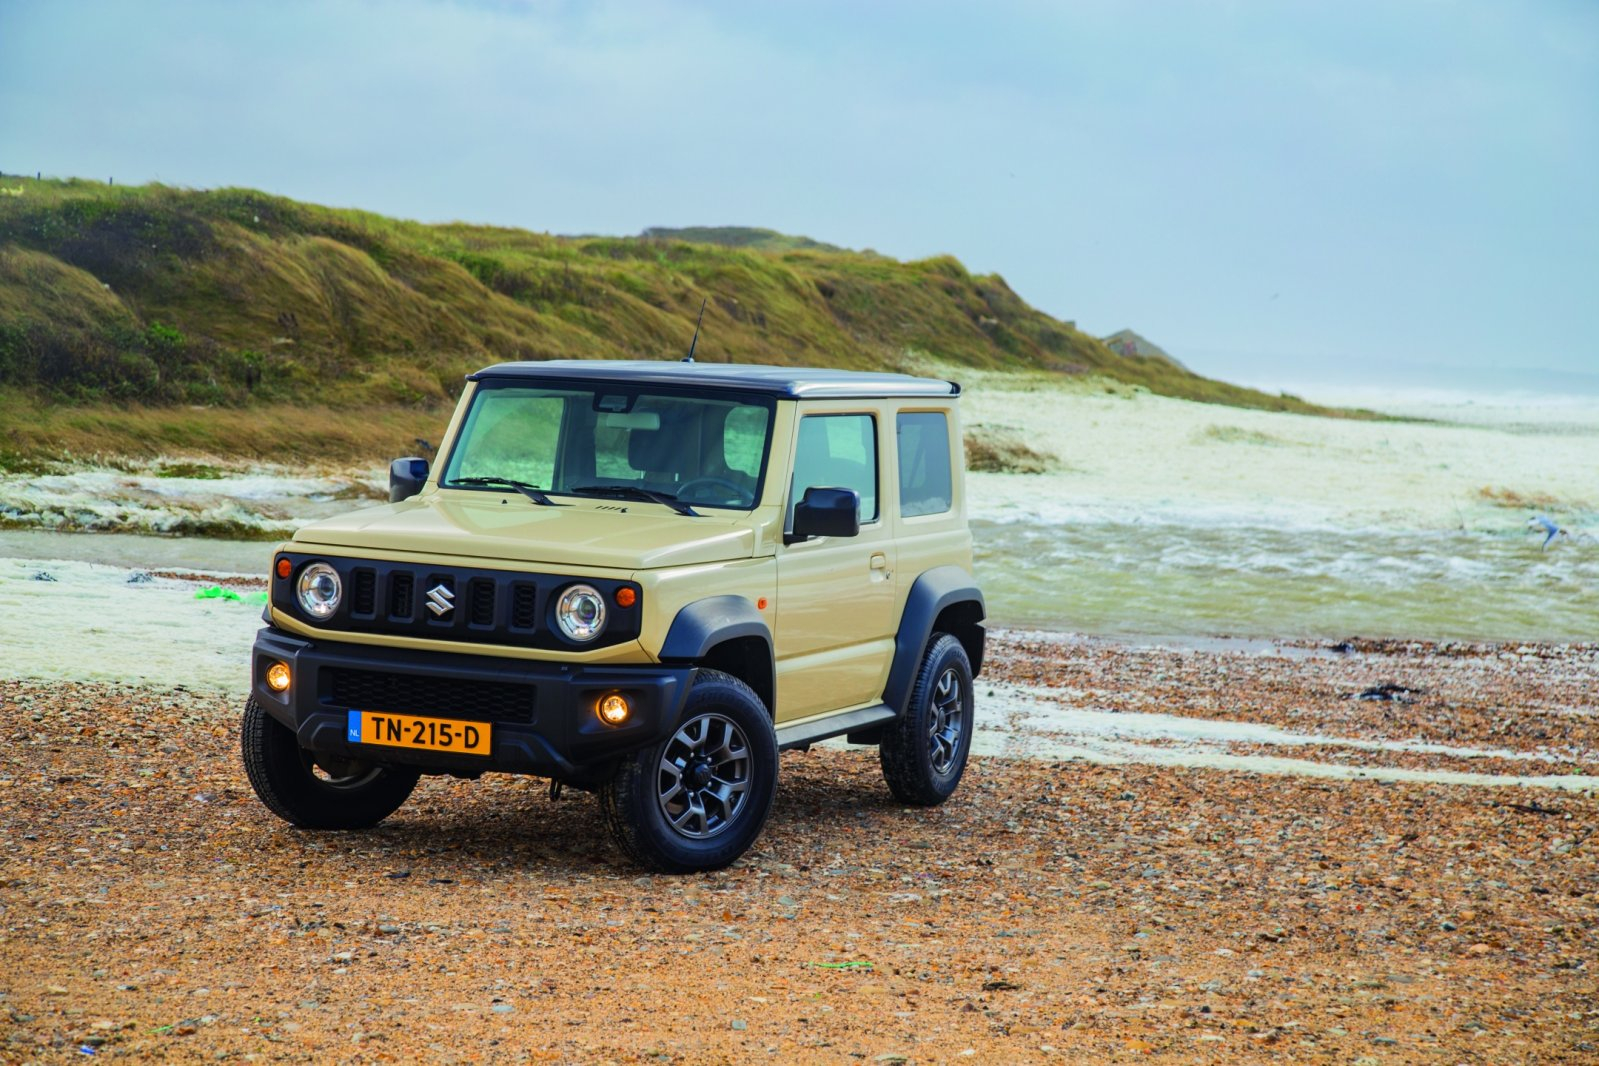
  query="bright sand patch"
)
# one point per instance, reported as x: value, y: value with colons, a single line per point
x: 85, y: 622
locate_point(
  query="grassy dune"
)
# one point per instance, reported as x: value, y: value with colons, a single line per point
x: 37, y: 438
x: 122, y: 309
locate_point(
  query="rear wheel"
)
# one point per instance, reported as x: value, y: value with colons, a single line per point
x: 317, y: 790
x: 924, y: 751
x: 697, y: 800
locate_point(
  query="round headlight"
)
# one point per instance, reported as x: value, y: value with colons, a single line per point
x: 581, y: 612
x: 319, y: 590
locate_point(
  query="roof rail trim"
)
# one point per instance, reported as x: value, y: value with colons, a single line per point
x: 788, y: 382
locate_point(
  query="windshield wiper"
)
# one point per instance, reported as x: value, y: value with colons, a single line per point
x: 634, y: 492
x: 532, y: 492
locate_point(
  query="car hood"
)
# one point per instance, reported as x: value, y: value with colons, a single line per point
x: 489, y: 526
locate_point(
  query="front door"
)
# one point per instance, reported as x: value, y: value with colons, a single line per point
x: 835, y: 595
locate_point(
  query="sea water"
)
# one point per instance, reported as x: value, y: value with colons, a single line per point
x: 1123, y: 577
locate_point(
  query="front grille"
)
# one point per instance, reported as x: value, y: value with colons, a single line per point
x: 524, y: 606
x: 374, y: 690
x: 364, y: 596
x: 480, y: 603
x: 471, y: 605
x: 401, y: 587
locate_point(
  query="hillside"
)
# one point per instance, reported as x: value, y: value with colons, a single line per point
x: 1126, y: 342
x: 161, y: 296
x: 750, y: 238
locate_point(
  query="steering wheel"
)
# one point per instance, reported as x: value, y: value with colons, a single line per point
x: 742, y: 495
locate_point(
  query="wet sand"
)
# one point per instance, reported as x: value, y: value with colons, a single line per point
x: 1056, y: 909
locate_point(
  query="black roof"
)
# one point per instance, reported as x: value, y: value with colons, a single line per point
x: 791, y: 382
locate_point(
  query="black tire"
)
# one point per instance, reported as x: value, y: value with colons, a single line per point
x: 345, y: 794
x: 923, y: 751
x: 724, y: 738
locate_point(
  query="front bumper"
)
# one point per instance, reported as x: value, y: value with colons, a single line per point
x: 542, y: 713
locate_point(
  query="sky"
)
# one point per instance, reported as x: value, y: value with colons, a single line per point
x: 1276, y: 192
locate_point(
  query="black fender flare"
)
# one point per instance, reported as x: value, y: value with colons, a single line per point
x: 702, y: 625
x: 937, y: 589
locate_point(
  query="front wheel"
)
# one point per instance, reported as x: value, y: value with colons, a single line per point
x: 316, y: 790
x: 697, y: 800
x: 924, y: 751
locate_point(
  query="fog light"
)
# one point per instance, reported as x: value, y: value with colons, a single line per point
x: 613, y: 709
x: 277, y: 677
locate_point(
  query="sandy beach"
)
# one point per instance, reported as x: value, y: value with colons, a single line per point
x: 1128, y: 908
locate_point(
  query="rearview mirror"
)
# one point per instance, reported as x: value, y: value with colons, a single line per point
x: 648, y: 421
x: 826, y: 513
x: 406, y: 478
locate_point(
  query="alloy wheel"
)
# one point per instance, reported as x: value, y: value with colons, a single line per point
x: 945, y: 721
x: 703, y: 779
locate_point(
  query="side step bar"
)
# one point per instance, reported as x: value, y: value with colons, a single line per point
x: 804, y: 734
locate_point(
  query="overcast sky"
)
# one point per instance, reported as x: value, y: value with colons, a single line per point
x: 1274, y: 191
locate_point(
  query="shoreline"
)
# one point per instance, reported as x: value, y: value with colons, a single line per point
x: 1394, y: 710
x: 179, y: 563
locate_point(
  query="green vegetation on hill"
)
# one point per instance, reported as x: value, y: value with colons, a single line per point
x: 750, y: 238
x: 160, y: 296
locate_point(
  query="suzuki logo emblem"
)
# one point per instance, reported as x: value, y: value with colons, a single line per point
x: 441, y: 601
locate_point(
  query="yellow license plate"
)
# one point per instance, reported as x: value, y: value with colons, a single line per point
x: 413, y: 731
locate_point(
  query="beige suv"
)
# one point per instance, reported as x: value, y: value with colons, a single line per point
x: 643, y: 579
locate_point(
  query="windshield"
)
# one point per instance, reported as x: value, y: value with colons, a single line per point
x: 706, y: 449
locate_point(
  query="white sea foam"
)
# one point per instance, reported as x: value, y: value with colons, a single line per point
x: 267, y: 499
x: 1043, y: 710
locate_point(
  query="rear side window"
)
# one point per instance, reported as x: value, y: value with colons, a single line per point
x: 837, y: 452
x: 924, y: 478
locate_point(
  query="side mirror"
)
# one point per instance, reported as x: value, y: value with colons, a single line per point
x: 826, y: 513
x: 406, y: 478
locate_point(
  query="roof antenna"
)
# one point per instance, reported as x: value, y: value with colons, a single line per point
x: 689, y: 358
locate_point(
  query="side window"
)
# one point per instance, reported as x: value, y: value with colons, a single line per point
x: 924, y: 480
x: 837, y: 452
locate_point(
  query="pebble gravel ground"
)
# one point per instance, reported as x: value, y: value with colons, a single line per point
x: 151, y: 908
